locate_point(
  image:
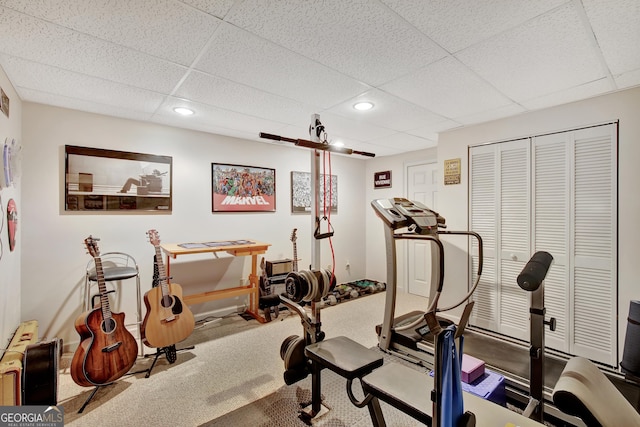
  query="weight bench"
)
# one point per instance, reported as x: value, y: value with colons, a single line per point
x: 410, y: 391
x: 346, y: 358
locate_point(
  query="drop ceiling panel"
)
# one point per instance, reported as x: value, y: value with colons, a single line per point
x: 389, y: 111
x: 546, y: 55
x: 218, y: 92
x: 431, y: 131
x: 163, y: 28
x: 404, y: 142
x: 449, y: 88
x: 233, y: 54
x: 628, y: 80
x: 584, y: 91
x: 339, y: 128
x: 56, y: 100
x: 617, y: 29
x: 488, y: 115
x: 210, y: 117
x: 68, y: 84
x: 39, y: 41
x: 457, y: 24
x: 218, y: 8
x: 358, y: 37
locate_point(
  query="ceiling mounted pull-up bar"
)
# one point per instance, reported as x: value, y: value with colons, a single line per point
x: 315, y: 145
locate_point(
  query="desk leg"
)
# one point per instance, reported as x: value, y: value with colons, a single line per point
x: 255, y: 289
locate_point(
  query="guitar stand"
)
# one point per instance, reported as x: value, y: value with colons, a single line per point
x: 93, y: 393
x: 171, y: 354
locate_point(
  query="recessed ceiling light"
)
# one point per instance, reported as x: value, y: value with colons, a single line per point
x: 338, y: 144
x: 183, y: 111
x: 363, y: 106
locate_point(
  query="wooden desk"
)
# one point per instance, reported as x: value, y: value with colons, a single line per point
x: 235, y: 248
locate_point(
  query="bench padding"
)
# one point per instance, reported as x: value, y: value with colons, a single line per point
x: 344, y: 356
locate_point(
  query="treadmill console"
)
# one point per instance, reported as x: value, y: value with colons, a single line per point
x: 399, y: 212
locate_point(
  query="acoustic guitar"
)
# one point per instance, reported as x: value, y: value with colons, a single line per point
x: 107, y: 349
x: 167, y: 320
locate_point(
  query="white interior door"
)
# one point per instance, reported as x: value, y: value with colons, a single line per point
x: 422, y: 186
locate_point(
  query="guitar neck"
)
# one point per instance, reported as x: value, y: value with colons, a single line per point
x: 162, y: 279
x: 295, y: 256
x: 102, y: 287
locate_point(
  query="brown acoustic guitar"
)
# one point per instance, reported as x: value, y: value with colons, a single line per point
x: 168, y: 320
x: 107, y: 349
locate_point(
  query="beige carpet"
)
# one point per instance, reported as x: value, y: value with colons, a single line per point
x: 234, y: 363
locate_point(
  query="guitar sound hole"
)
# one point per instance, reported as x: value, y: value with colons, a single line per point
x: 167, y: 301
x: 108, y: 326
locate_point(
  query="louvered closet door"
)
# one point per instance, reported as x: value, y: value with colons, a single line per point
x: 594, y: 244
x: 514, y: 237
x: 499, y: 212
x: 559, y: 196
x: 483, y: 220
x: 551, y: 223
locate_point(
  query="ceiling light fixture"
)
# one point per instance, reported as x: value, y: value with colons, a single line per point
x: 363, y: 106
x: 183, y: 111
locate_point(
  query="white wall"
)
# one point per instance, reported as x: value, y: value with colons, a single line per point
x: 10, y: 127
x: 376, y: 255
x: 623, y: 106
x: 54, y: 257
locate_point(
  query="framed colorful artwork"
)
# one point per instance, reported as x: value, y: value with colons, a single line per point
x: 239, y: 188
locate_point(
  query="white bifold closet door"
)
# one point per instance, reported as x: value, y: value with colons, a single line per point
x: 554, y: 193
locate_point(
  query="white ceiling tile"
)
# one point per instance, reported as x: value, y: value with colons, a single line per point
x: 431, y: 131
x: 457, y: 24
x: 241, y: 56
x: 575, y: 93
x: 55, y: 81
x: 616, y: 25
x: 213, y: 117
x: 389, y: 111
x: 163, y: 28
x: 404, y: 142
x: 358, y: 37
x: 226, y: 94
x: 548, y: 54
x: 340, y: 127
x: 447, y: 87
x: 32, y: 95
x: 488, y: 115
x: 218, y: 8
x: 628, y: 80
x: 26, y: 37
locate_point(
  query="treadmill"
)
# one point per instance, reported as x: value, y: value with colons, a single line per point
x: 408, y: 336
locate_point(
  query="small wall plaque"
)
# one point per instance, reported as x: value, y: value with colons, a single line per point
x: 452, y: 171
x: 4, y: 102
x: 382, y: 179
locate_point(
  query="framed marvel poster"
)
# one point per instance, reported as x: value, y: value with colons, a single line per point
x: 239, y: 188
